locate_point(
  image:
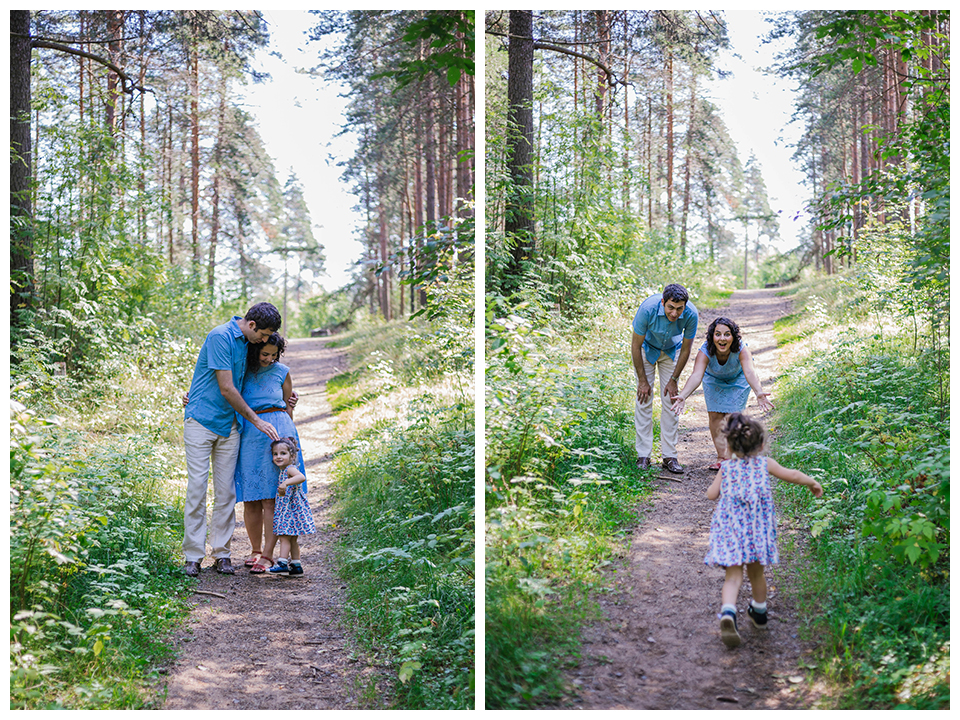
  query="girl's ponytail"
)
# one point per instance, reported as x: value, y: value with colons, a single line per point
x: 745, y: 436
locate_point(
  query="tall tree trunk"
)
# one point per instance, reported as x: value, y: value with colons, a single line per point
x: 688, y: 157
x: 195, y: 156
x: 430, y: 154
x: 115, y: 33
x: 384, y: 252
x: 519, y: 224
x: 217, y: 171
x: 21, y: 158
x: 669, y: 119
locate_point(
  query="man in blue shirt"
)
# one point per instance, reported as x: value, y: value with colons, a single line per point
x: 664, y: 324
x: 211, y: 434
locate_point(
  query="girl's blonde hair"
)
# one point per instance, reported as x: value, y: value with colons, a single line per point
x: 745, y: 436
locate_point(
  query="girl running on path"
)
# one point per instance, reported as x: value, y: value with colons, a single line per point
x: 292, y: 516
x: 743, y: 530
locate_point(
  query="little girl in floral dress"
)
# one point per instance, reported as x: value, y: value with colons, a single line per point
x: 292, y: 516
x: 743, y: 530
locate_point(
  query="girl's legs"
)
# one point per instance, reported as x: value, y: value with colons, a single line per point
x: 284, y: 552
x: 253, y: 522
x: 716, y: 420
x: 758, y: 583
x: 294, y: 547
x: 732, y: 583
x: 269, y: 539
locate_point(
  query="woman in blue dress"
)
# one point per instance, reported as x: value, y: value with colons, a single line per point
x: 267, y: 387
x: 725, y: 367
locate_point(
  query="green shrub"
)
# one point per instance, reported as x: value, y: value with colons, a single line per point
x: 405, y: 496
x: 94, y: 579
x: 869, y: 419
x: 562, y: 486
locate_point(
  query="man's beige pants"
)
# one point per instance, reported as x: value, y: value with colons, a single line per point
x: 643, y: 412
x: 204, y: 449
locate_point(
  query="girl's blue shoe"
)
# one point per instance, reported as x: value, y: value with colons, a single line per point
x: 281, y: 568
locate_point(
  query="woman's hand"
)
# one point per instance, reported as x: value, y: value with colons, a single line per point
x: 678, y: 404
x: 763, y: 402
x: 816, y: 488
x: 185, y: 399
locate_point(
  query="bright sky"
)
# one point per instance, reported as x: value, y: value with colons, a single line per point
x: 757, y: 108
x: 299, y: 118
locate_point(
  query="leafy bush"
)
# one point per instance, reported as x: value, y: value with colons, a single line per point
x: 872, y: 421
x: 406, y: 500
x: 561, y: 488
x: 93, y: 579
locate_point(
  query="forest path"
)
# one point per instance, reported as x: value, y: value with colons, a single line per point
x: 658, y: 646
x: 276, y: 642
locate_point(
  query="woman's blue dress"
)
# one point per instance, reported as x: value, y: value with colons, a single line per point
x: 256, y: 475
x: 725, y: 387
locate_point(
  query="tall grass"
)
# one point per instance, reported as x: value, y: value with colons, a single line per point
x: 562, y: 488
x: 405, y: 499
x: 95, y: 522
x: 94, y: 583
x: 867, y: 413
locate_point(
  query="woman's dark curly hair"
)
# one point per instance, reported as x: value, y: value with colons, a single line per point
x: 744, y: 435
x: 734, y: 330
x: 253, y: 351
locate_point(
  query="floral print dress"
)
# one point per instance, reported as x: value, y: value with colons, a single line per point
x: 291, y: 515
x: 744, y: 526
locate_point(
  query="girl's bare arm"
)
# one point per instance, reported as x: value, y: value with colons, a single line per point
x: 294, y: 476
x: 794, y: 476
x: 713, y: 492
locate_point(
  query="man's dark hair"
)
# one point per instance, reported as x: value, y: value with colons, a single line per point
x: 265, y: 315
x: 734, y: 330
x: 677, y: 293
x: 253, y: 351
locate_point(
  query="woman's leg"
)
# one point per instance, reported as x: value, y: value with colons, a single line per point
x: 731, y: 585
x: 758, y: 583
x: 269, y: 539
x: 716, y: 421
x: 253, y: 522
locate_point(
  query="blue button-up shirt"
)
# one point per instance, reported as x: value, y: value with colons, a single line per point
x: 659, y: 334
x: 225, y: 348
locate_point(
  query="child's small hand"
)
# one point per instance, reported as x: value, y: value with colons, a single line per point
x: 282, y: 489
x: 816, y: 488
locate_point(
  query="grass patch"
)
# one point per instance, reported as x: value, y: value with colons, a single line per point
x: 406, y: 499
x: 868, y: 420
x: 95, y: 584
x: 562, y: 487
x: 790, y: 328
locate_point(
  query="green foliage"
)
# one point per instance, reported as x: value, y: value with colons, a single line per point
x: 406, y: 500
x: 93, y: 580
x: 449, y: 35
x: 870, y: 417
x: 406, y: 484
x: 561, y: 487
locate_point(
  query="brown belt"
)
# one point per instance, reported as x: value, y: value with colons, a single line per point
x: 273, y: 409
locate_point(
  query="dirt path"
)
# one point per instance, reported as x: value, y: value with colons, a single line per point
x: 275, y: 642
x: 659, y: 646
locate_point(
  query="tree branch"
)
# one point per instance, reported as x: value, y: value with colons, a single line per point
x: 539, y: 45
x: 128, y: 84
